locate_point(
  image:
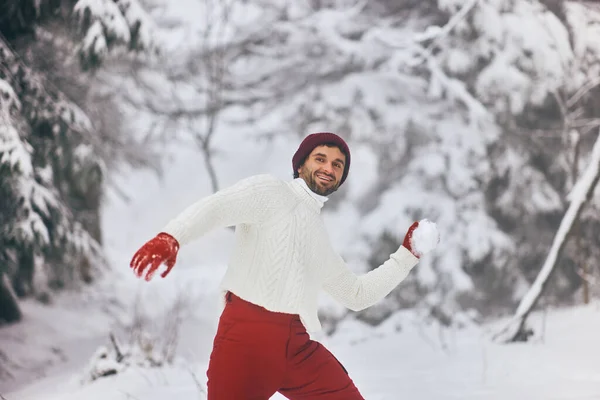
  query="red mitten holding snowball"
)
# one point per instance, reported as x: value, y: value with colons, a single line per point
x: 421, y: 238
x: 163, y: 248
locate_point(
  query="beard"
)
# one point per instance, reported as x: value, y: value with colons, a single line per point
x: 310, y: 177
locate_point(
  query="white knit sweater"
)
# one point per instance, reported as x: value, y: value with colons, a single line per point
x: 282, y: 256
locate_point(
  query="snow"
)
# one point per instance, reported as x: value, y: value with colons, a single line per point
x: 525, y: 65
x: 582, y: 21
x: 94, y: 41
x: 583, y: 188
x: 109, y: 23
x: 407, y: 355
x: 106, y: 18
x: 421, y: 145
x: 137, y: 18
x: 403, y: 357
x: 577, y: 198
x: 425, y: 158
x: 17, y: 154
x: 9, y: 100
x: 14, y: 152
x: 425, y: 238
x: 580, y: 190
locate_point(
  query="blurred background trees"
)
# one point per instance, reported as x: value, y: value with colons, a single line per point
x: 465, y: 116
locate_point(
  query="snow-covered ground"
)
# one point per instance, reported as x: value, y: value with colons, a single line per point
x: 418, y: 362
x: 403, y: 358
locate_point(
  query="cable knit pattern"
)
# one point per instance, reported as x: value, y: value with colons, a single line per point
x: 282, y: 256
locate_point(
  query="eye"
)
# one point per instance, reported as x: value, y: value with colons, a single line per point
x: 320, y: 159
x: 337, y: 165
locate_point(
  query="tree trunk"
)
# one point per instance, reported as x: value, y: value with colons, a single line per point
x: 516, y: 329
x: 9, y: 305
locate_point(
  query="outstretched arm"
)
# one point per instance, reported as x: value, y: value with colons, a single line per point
x: 359, y: 292
x: 248, y: 201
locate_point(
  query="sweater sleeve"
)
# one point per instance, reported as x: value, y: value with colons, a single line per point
x: 249, y: 201
x: 359, y: 292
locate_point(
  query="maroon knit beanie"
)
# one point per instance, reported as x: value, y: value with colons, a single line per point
x: 318, y: 139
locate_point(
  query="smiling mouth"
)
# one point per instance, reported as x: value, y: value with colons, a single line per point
x: 325, y: 178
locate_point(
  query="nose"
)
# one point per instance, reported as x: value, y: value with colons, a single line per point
x: 328, y: 168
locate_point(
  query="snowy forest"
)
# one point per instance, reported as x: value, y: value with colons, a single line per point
x: 482, y: 115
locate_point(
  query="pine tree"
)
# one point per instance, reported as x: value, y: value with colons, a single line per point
x: 51, y: 176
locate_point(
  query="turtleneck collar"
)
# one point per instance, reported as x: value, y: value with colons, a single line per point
x: 318, y: 197
x: 313, y: 198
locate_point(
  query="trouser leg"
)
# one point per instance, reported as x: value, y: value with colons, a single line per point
x: 314, y: 372
x: 248, y: 357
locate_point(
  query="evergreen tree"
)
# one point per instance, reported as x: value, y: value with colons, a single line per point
x: 52, y: 172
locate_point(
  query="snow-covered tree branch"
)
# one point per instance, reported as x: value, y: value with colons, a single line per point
x: 578, y: 198
x: 109, y: 24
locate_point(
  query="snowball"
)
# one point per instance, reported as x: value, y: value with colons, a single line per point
x: 425, y: 238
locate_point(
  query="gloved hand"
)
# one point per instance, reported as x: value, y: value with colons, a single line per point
x: 421, y: 238
x: 161, y: 249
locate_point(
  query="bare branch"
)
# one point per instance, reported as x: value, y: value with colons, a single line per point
x: 199, y: 385
x: 587, y: 277
x: 433, y: 33
x: 117, y: 348
x: 563, y: 109
x: 454, y: 21
x: 456, y: 88
x: 476, y: 110
x: 589, y: 85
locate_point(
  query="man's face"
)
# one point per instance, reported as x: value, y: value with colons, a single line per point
x: 323, y: 169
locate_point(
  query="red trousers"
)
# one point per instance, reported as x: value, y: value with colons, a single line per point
x: 257, y: 353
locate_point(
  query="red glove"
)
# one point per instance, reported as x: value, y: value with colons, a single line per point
x: 408, y: 238
x: 161, y: 249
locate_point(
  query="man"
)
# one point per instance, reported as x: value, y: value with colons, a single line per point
x: 281, y: 260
